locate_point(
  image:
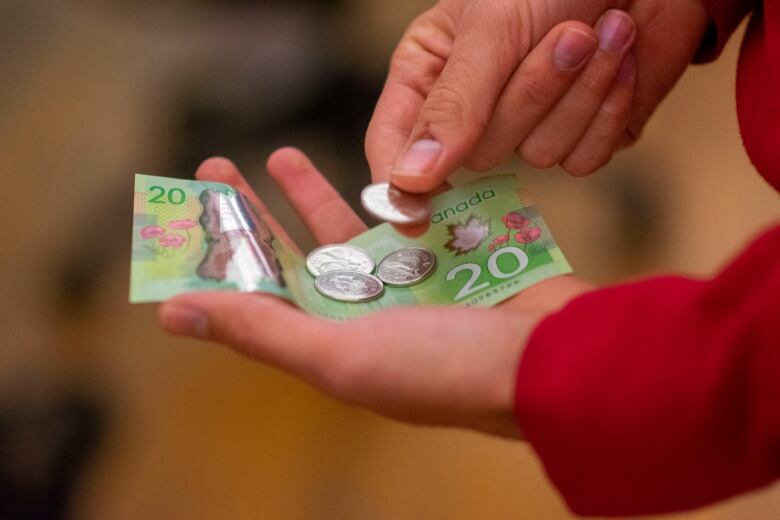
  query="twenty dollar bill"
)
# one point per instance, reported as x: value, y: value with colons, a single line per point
x: 489, y: 240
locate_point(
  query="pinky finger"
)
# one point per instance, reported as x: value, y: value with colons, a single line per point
x: 608, y: 128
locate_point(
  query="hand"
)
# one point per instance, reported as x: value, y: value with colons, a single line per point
x: 447, y: 366
x: 473, y: 81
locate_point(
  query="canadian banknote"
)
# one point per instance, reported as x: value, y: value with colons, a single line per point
x: 489, y: 240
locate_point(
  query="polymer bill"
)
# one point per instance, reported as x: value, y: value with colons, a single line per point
x: 488, y: 239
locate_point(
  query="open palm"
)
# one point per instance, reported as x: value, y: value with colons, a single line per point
x: 448, y: 366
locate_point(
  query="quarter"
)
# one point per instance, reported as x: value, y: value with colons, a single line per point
x: 406, y: 267
x: 388, y: 203
x: 339, y: 257
x: 349, y: 286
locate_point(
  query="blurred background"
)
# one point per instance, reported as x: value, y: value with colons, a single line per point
x: 102, y: 416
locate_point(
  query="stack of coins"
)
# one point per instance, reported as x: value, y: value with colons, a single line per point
x: 345, y: 273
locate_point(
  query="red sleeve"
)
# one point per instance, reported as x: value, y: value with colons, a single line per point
x: 660, y: 395
x: 725, y: 16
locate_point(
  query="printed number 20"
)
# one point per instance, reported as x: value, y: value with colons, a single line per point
x: 176, y: 196
x: 493, y: 269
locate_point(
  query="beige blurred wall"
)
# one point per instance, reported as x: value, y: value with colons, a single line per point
x: 198, y: 432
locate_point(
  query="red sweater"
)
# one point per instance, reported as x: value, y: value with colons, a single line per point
x: 664, y: 394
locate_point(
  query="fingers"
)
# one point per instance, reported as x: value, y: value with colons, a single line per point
x: 417, y: 230
x: 535, y: 87
x: 321, y: 208
x: 417, y: 62
x: 412, y: 231
x: 219, y: 169
x: 259, y: 326
x: 460, y: 104
x: 480, y: 109
x: 608, y: 129
x: 559, y: 132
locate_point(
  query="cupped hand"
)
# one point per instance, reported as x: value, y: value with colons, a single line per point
x: 444, y: 366
x: 474, y: 81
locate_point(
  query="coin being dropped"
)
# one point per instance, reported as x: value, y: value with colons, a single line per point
x: 406, y: 267
x: 339, y: 257
x: 349, y: 286
x: 388, y: 203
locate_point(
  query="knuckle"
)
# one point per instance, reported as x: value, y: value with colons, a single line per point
x: 592, y: 79
x: 587, y: 159
x: 537, y: 154
x: 422, y: 53
x: 481, y: 161
x: 534, y: 89
x: 581, y: 167
x: 612, y: 116
x: 445, y: 106
x: 405, y: 53
x: 412, y: 55
x: 509, y: 19
x: 435, y: 18
x: 414, y: 68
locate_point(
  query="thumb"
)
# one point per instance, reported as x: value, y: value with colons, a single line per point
x: 259, y: 326
x: 460, y: 104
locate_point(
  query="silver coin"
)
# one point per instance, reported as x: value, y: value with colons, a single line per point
x: 388, y: 203
x: 407, y: 266
x: 339, y: 257
x: 349, y: 286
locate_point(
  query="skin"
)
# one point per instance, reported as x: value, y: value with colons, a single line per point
x: 438, y: 366
x: 479, y: 78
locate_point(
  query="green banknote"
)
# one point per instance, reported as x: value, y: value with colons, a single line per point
x: 489, y: 240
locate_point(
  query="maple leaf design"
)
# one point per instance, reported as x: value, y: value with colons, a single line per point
x: 467, y: 237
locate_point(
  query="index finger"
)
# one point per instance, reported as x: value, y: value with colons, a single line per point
x: 416, y: 64
x: 460, y: 104
x: 390, y: 126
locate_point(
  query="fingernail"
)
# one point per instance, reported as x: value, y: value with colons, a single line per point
x: 615, y: 29
x: 572, y: 49
x: 627, y: 69
x: 184, y: 321
x: 419, y: 158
